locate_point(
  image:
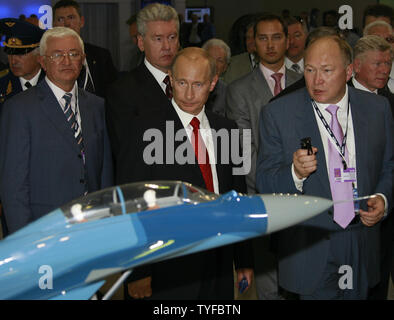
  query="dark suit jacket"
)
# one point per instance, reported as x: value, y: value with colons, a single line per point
x: 205, y: 275
x: 136, y: 93
x: 10, y: 85
x: 41, y: 167
x: 101, y: 68
x: 303, y: 249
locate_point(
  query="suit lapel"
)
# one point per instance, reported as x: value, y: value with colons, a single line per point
x: 260, y: 85
x: 308, y: 127
x: 360, y: 128
x: 52, y: 110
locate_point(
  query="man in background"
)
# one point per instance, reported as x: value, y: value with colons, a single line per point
x: 98, y: 69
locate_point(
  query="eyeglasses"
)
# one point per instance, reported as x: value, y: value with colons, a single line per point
x: 57, y: 57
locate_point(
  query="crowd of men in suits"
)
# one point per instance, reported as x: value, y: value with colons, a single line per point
x: 78, y: 127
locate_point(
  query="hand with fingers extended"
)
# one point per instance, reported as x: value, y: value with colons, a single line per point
x: 304, y: 164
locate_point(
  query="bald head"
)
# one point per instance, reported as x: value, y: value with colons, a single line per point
x: 198, y: 55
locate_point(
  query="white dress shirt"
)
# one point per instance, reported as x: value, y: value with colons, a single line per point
x: 343, y: 119
x: 157, y: 74
x: 271, y: 82
x: 358, y: 85
x: 59, y: 93
x: 33, y: 81
x: 206, y: 134
x: 289, y: 64
x: 390, y: 83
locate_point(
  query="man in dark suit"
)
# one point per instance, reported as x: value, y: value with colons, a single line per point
x: 98, y: 69
x: 206, y: 275
x: 334, y: 255
x: 371, y: 66
x: 53, y: 138
x: 21, y: 46
x: 143, y: 90
x: 245, y: 98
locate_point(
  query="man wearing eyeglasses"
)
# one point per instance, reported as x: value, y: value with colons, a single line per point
x: 98, y: 68
x: 53, y: 141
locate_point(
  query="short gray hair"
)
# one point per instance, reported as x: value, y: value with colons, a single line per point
x: 218, y: 43
x: 58, y: 32
x: 371, y: 43
x: 156, y: 12
x: 377, y: 23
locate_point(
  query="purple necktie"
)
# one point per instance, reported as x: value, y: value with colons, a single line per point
x: 343, y: 212
x: 277, y: 77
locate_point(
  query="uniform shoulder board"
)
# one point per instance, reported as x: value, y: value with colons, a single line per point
x: 4, y: 72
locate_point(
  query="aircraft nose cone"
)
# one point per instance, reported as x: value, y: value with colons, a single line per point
x: 285, y: 210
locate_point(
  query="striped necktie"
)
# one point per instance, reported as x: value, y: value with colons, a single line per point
x: 70, y: 116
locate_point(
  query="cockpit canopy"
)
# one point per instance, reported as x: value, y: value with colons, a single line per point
x: 133, y: 198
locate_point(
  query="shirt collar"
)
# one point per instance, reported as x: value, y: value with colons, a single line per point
x: 267, y: 72
x: 59, y: 93
x: 342, y: 104
x: 157, y: 74
x: 33, y: 81
x: 290, y: 63
x: 187, y: 117
x: 358, y: 85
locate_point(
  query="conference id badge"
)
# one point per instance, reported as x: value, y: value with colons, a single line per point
x: 345, y: 175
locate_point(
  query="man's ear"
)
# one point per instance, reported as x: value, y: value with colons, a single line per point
x: 41, y: 62
x: 82, y: 21
x: 349, y: 71
x: 140, y: 42
x: 213, y: 82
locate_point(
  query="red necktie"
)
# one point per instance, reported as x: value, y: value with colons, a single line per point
x: 277, y: 77
x: 201, y: 154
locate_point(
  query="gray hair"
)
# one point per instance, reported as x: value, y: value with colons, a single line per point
x: 218, y: 43
x: 371, y: 43
x: 156, y: 12
x: 58, y: 32
x: 377, y: 23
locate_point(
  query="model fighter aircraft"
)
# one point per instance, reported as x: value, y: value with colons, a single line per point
x: 119, y: 228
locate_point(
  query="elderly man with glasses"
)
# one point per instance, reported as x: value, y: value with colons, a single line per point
x: 53, y: 138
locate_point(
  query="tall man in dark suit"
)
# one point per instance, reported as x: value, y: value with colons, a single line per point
x: 334, y: 255
x: 372, y: 63
x: 21, y: 46
x: 245, y: 98
x: 206, y: 275
x: 53, y: 138
x: 98, y: 69
x: 143, y: 90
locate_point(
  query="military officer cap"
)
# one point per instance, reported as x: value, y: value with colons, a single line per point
x: 21, y: 36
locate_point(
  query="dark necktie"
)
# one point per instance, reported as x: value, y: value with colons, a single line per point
x: 343, y: 212
x: 28, y: 85
x: 296, y: 68
x: 277, y: 77
x: 168, y: 87
x: 201, y: 154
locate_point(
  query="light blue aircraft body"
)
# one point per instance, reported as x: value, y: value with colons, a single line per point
x: 68, y: 253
